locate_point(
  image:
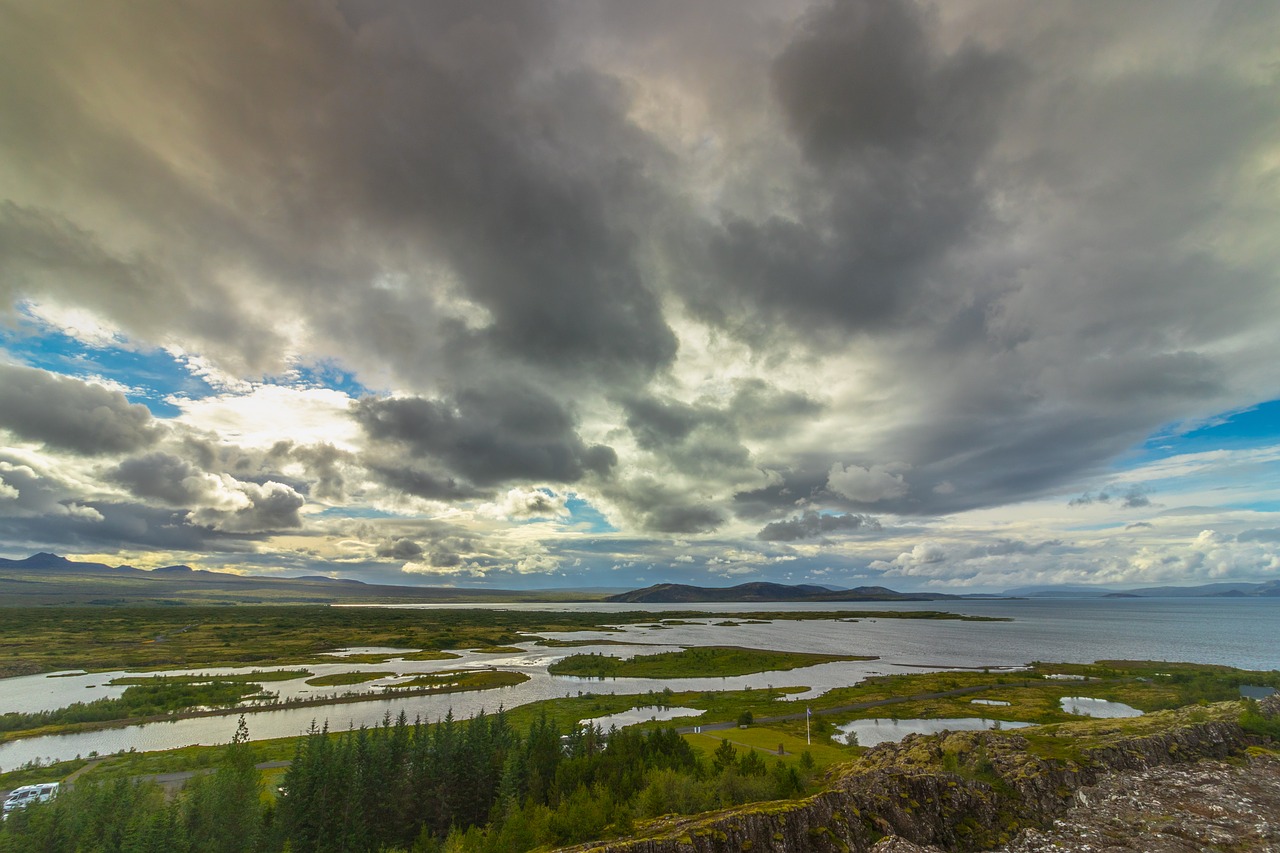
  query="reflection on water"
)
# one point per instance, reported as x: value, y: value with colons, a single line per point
x: 1086, y: 707
x: 874, y: 732
x: 642, y: 714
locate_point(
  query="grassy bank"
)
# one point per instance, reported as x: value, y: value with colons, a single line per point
x: 698, y: 662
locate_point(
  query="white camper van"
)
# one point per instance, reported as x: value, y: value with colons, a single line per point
x: 26, y: 795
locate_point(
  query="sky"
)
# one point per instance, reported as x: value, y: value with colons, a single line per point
x: 955, y: 296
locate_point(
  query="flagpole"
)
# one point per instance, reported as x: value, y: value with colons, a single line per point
x: 807, y: 714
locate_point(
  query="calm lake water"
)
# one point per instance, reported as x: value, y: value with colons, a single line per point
x: 878, y: 731
x: 1233, y: 632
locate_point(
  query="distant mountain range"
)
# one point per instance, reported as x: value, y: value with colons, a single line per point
x: 675, y: 593
x: 44, y: 579
x: 1269, y: 589
x: 665, y: 593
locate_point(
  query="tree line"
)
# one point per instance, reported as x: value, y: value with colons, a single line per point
x: 473, y: 786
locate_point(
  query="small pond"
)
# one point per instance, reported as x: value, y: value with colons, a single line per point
x: 1086, y: 707
x: 878, y: 731
x: 642, y: 714
x: 998, y: 702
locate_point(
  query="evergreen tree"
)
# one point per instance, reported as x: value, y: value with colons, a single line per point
x: 724, y: 757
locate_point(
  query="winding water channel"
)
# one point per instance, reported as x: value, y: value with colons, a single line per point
x: 1232, y: 632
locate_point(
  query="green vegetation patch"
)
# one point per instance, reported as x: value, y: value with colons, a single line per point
x: 552, y: 643
x: 767, y: 739
x: 698, y: 662
x: 457, y: 681
x: 159, y: 696
x: 338, y: 679
x: 34, y: 772
x: 430, y: 654
x: 245, y: 677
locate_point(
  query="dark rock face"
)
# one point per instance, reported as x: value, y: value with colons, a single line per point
x: 959, y: 791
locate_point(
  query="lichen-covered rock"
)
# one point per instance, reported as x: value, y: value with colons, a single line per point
x: 1206, y: 805
x: 894, y: 844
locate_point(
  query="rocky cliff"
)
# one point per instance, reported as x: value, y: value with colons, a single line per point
x: 958, y: 791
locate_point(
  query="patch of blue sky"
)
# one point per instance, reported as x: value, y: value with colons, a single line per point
x: 1255, y: 506
x: 1255, y: 427
x: 147, y: 376
x: 586, y: 518
x: 325, y: 374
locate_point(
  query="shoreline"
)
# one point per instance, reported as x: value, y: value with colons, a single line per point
x: 511, y: 679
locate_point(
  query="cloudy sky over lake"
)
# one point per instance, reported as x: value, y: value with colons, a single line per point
x: 924, y: 295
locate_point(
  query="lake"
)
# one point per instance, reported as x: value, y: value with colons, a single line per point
x: 1232, y: 632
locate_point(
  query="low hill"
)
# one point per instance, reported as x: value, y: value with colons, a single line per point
x: 665, y: 593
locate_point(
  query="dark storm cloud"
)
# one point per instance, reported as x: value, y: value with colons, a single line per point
x: 797, y: 487
x: 682, y: 518
x: 812, y: 525
x: 67, y: 413
x: 49, y: 512
x: 857, y: 77
x: 661, y: 508
x: 325, y: 466
x: 119, y: 525
x: 160, y: 475
x: 217, y: 501
x: 400, y: 549
x: 895, y: 132
x: 705, y: 438
x: 263, y: 508
x: 27, y: 492
x: 755, y: 409
x: 410, y: 144
x: 973, y: 253
x: 488, y: 437
x: 422, y: 483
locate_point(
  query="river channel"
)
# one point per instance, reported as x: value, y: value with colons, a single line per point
x: 1223, y: 631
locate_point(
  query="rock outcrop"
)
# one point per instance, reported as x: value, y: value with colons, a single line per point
x: 1180, y: 808
x: 957, y: 791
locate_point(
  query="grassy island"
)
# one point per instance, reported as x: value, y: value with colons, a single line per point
x: 699, y: 662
